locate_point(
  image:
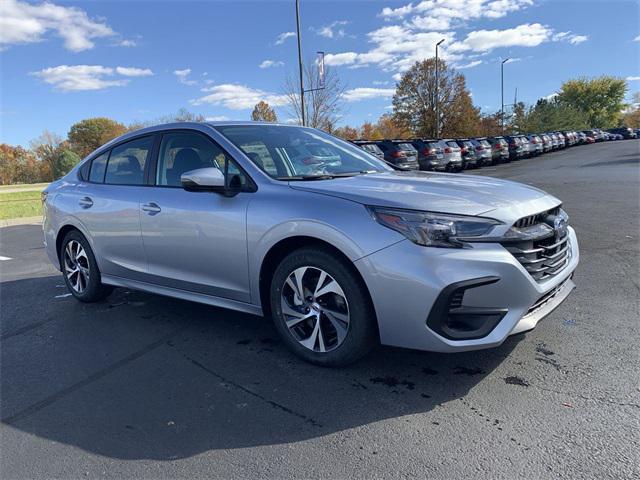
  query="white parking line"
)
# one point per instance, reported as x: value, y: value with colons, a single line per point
x: 4, y: 259
x: 64, y: 295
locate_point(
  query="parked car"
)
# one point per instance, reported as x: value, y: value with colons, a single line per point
x: 516, y: 150
x: 370, y: 147
x: 483, y: 149
x: 547, y: 143
x: 348, y: 255
x: 499, y: 149
x: 582, y: 137
x: 591, y: 139
x: 399, y: 152
x: 468, y: 152
x: 430, y: 154
x: 624, y: 131
x: 562, y: 142
x: 452, y: 154
x: 535, y: 143
x: 527, y: 149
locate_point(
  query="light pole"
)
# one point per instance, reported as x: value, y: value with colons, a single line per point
x: 300, y: 62
x: 502, y: 93
x: 437, y: 99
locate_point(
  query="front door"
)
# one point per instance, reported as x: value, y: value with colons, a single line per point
x: 194, y: 241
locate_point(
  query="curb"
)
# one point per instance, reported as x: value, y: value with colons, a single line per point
x: 10, y: 222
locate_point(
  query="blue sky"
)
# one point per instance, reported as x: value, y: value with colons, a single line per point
x: 65, y: 61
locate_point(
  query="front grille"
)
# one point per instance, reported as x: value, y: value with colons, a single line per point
x: 542, y: 258
x: 534, y: 219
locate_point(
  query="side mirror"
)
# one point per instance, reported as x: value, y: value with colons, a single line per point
x: 209, y: 179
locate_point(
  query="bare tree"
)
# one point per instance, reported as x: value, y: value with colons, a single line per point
x: 322, y: 107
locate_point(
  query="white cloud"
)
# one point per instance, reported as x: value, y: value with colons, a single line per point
x: 238, y: 97
x: 526, y: 35
x: 22, y: 23
x: 471, y: 64
x: 637, y: 39
x: 183, y: 76
x: 632, y: 79
x: 283, y: 36
x: 271, y: 63
x: 217, y: 118
x: 573, y: 39
x: 551, y: 96
x: 333, y: 30
x: 134, y: 72
x: 345, y: 58
x: 69, y: 78
x: 126, y: 43
x: 461, y: 10
x: 380, y: 82
x: 365, y: 93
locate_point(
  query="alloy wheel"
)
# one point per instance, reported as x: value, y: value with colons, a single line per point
x: 315, y: 309
x: 76, y: 266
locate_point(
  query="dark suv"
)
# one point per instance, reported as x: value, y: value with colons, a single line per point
x: 626, y: 132
x: 399, y: 152
x: 468, y: 151
x: 499, y: 149
x: 516, y: 149
x: 430, y: 154
x: 371, y: 147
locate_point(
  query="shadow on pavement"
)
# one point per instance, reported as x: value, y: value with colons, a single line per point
x: 146, y: 377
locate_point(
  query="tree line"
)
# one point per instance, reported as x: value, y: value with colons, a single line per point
x: 579, y: 104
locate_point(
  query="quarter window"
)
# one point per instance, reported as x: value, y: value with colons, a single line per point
x: 126, y: 163
x: 98, y: 167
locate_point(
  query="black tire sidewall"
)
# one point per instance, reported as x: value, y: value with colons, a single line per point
x: 95, y: 290
x: 362, y: 334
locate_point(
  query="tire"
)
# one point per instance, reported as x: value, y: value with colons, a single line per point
x: 85, y: 285
x: 356, y: 337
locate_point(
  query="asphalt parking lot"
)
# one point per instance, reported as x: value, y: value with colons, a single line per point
x: 142, y: 386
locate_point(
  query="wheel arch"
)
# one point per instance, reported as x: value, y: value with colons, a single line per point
x: 282, y: 248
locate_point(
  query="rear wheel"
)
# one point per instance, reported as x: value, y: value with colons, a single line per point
x: 80, y: 270
x: 321, y: 308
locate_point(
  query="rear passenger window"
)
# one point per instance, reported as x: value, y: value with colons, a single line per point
x: 126, y: 163
x: 98, y: 167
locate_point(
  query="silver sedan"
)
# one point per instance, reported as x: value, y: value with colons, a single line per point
x: 337, y: 247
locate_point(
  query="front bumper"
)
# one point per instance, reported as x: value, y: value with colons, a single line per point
x: 405, y: 281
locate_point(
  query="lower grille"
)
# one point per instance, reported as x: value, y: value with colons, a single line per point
x: 542, y: 258
x: 547, y: 297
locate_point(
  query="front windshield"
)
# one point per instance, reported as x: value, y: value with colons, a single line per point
x: 291, y: 152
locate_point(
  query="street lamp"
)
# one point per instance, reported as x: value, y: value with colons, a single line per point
x: 437, y: 106
x: 502, y: 92
x: 300, y: 62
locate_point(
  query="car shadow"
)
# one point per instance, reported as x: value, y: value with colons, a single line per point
x: 140, y: 376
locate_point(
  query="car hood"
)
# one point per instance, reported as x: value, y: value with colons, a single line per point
x: 437, y: 192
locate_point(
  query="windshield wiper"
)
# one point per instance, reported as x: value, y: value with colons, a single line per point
x: 325, y: 176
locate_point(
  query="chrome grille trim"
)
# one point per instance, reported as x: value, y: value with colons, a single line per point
x: 536, y: 218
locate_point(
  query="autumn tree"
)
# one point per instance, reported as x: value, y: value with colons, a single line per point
x: 57, y: 154
x: 600, y: 99
x: 322, y: 105
x: 414, y: 103
x: 87, y: 135
x: 19, y: 165
x: 388, y: 127
x: 631, y: 117
x: 262, y: 112
x: 347, y: 132
x: 369, y: 131
x: 490, y: 125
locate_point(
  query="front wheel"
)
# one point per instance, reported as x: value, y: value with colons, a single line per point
x: 321, y: 308
x: 80, y: 270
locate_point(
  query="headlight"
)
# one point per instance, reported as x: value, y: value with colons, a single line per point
x: 432, y: 229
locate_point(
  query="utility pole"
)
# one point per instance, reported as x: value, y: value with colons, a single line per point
x: 300, y: 63
x: 502, y: 93
x: 437, y: 97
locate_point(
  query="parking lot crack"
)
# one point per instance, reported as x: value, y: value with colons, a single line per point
x: 272, y: 403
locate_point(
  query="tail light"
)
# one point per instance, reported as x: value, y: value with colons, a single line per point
x: 428, y: 151
x: 534, y: 141
x: 398, y: 154
x: 463, y: 149
x: 479, y: 147
x: 447, y: 150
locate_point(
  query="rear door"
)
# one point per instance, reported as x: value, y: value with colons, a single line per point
x: 109, y: 207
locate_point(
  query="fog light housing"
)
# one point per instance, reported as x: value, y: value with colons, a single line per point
x: 452, y: 320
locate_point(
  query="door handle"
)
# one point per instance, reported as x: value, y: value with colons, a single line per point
x: 85, y: 202
x: 151, y: 208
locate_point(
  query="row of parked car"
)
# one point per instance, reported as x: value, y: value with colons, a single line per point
x: 461, y: 153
